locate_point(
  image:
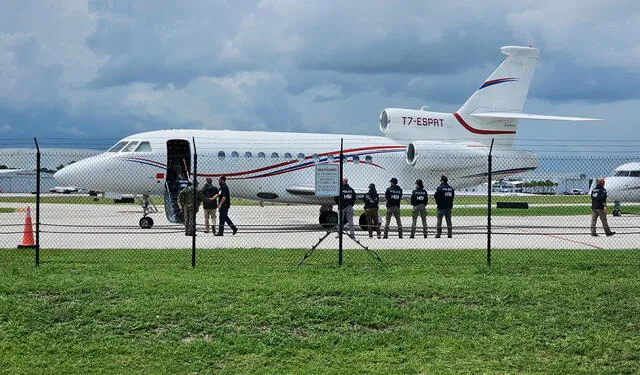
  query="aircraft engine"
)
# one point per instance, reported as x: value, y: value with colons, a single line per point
x: 399, y: 123
x: 435, y: 155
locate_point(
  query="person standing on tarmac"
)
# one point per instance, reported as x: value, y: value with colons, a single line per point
x: 393, y: 196
x: 210, y: 205
x: 371, y: 200
x: 419, y: 203
x: 348, y: 200
x: 187, y: 205
x: 223, y: 207
x: 444, y: 200
x: 599, y: 208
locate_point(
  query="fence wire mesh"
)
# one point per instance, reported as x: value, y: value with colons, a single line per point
x: 527, y: 208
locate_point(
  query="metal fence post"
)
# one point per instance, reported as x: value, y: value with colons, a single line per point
x: 340, y: 217
x: 195, y: 204
x: 38, y: 167
x: 489, y: 177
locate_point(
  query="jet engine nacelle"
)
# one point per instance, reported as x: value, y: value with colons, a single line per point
x: 435, y: 155
x: 399, y: 123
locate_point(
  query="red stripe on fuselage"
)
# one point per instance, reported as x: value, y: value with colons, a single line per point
x: 306, y: 157
x: 480, y: 131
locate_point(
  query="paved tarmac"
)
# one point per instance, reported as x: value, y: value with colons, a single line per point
x: 105, y: 226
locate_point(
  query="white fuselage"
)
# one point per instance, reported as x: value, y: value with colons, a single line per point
x: 624, y: 185
x: 288, y: 177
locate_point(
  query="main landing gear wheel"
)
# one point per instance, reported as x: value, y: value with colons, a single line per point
x: 328, y: 219
x: 146, y: 222
x: 362, y: 221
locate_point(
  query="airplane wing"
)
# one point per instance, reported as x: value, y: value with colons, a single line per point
x: 301, y: 190
x: 527, y: 116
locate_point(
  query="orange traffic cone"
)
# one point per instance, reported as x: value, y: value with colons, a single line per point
x: 27, y: 235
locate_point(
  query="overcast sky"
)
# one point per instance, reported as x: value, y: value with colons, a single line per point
x: 103, y: 69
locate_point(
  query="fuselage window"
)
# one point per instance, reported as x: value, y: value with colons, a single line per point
x: 316, y: 157
x: 118, y: 146
x: 274, y: 155
x: 287, y: 155
x: 330, y: 158
x: 235, y: 154
x: 130, y: 146
x: 261, y: 154
x: 221, y: 155
x: 622, y: 174
x: 248, y: 154
x: 301, y: 156
x: 634, y: 173
x: 356, y: 159
x: 144, y: 147
x: 368, y: 159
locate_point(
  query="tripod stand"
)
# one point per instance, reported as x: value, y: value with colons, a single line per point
x: 336, y: 229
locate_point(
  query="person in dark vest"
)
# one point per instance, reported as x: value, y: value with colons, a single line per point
x: 444, y: 200
x: 371, y: 200
x: 599, y: 208
x: 419, y: 203
x: 348, y: 200
x: 223, y: 208
x: 393, y: 194
x: 210, y: 205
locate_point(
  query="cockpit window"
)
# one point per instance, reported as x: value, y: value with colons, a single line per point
x: 130, y: 146
x: 634, y: 173
x: 144, y: 147
x: 118, y: 146
x: 622, y: 173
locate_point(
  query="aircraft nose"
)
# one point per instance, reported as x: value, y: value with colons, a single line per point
x: 64, y: 176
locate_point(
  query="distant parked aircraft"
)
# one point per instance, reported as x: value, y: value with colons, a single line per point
x: 624, y: 185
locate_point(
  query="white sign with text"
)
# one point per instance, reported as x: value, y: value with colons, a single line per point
x: 327, y: 180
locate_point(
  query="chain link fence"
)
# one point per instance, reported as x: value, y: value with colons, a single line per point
x: 509, y: 207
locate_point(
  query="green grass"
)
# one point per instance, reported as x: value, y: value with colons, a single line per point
x: 7, y: 210
x: 578, y: 312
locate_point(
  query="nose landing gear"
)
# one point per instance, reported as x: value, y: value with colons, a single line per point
x: 147, y: 207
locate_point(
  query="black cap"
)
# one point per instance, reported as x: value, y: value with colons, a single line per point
x: 419, y: 182
x: 394, y: 180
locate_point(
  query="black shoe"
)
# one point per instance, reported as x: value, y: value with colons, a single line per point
x: 425, y: 236
x: 371, y: 236
x: 218, y: 234
x: 400, y: 237
x: 410, y: 237
x: 235, y: 230
x: 385, y: 237
x: 594, y: 235
x: 449, y: 236
x: 437, y: 236
x: 610, y: 234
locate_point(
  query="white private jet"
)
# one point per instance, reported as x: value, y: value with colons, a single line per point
x: 623, y: 185
x: 278, y: 167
